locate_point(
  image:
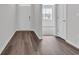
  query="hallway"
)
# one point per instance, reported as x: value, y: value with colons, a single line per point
x: 26, y: 43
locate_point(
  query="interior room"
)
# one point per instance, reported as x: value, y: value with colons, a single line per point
x: 39, y: 29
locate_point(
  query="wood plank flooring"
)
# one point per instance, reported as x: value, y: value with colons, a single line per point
x: 27, y: 43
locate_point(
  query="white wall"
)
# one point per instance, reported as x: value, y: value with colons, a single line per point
x: 23, y: 13
x: 73, y: 24
x: 36, y: 19
x: 7, y: 23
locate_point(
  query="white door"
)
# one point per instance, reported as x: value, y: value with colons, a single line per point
x: 23, y: 12
x: 61, y: 21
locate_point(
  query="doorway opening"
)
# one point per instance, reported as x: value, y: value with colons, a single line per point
x: 48, y: 20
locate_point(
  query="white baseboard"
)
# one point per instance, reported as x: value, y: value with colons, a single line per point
x: 11, y: 37
x: 24, y: 30
x: 73, y: 44
x: 40, y: 37
x: 30, y: 30
x: 6, y: 42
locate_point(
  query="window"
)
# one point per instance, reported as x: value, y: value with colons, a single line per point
x: 47, y: 13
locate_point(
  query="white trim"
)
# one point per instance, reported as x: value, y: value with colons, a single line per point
x: 12, y: 36
x: 23, y: 30
x: 72, y: 44
x: 29, y: 30
x: 40, y: 37
x: 6, y: 42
